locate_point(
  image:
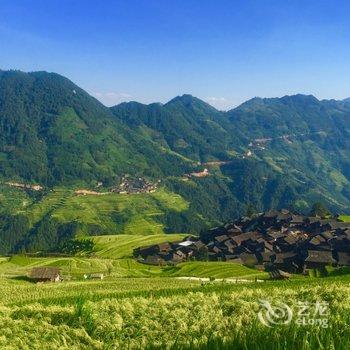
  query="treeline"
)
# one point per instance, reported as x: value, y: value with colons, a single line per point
x: 49, y: 235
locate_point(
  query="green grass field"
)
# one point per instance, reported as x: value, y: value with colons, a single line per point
x: 139, y: 306
x: 121, y: 246
x: 215, y: 269
x: 345, y: 218
x: 136, y: 214
x: 76, y: 267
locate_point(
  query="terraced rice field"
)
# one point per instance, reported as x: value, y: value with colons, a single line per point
x: 164, y: 313
x: 122, y: 246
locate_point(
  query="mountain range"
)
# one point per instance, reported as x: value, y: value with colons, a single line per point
x: 266, y: 153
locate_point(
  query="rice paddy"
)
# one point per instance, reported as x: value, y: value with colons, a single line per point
x: 167, y: 313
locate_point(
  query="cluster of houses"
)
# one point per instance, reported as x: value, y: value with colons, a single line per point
x: 129, y: 185
x: 259, y: 144
x: 275, y: 240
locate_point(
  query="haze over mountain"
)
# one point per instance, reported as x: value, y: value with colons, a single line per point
x: 266, y: 153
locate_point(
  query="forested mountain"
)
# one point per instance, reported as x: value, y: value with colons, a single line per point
x: 185, y: 124
x: 282, y: 151
x: 306, y: 140
x: 53, y: 132
x: 267, y: 153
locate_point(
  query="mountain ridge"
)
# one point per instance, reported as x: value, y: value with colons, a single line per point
x: 265, y: 154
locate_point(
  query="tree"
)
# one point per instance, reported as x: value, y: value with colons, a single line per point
x: 202, y: 254
x: 251, y: 210
x: 319, y: 209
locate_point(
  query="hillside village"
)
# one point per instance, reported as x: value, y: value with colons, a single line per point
x: 269, y: 241
x: 127, y: 185
x: 130, y: 185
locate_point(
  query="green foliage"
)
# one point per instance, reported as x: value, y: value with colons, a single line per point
x: 319, y: 209
x: 12, y: 231
x: 75, y: 246
x: 51, y: 132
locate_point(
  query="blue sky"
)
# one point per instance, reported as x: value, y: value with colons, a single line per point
x: 222, y: 51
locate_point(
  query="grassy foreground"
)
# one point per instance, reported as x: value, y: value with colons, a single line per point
x: 151, y: 307
x: 167, y: 314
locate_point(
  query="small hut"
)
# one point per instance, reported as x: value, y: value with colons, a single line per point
x: 279, y: 275
x: 94, y: 276
x: 45, y: 274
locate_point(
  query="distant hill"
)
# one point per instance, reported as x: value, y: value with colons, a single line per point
x: 284, y: 152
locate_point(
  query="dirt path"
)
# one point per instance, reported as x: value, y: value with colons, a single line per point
x: 220, y: 280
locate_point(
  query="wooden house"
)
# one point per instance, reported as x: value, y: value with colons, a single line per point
x: 326, y: 235
x: 249, y: 259
x: 221, y: 238
x: 317, y: 258
x: 343, y: 259
x: 45, y: 274
x: 266, y: 257
x: 297, y: 220
x: 230, y: 245
x: 290, y: 261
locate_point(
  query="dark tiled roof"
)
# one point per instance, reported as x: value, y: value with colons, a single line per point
x: 281, y: 258
x: 317, y: 256
x: 316, y: 240
x: 221, y: 238
x: 45, y: 272
x: 291, y: 239
x: 327, y: 234
x: 271, y: 214
x: 281, y: 235
x: 297, y: 219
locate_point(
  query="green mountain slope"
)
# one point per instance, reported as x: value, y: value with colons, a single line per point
x: 267, y: 153
x: 287, y: 151
x: 306, y: 141
x: 185, y: 124
x: 51, y: 132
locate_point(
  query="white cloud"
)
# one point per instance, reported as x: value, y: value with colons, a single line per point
x: 220, y: 103
x: 224, y: 104
x: 112, y: 98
